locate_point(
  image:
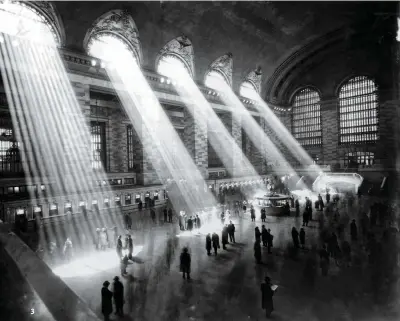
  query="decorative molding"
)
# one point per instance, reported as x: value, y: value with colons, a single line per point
x: 223, y: 65
x: 181, y: 47
x: 119, y: 24
x: 47, y: 10
x: 255, y: 78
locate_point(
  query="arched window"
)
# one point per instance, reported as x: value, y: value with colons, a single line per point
x: 358, y: 111
x: 171, y: 66
x: 22, y: 20
x: 248, y: 90
x: 108, y: 47
x: 215, y: 80
x: 306, y: 117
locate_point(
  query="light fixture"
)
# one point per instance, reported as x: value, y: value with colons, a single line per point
x: 168, y: 81
x: 162, y: 80
x: 94, y: 62
x: 103, y: 64
x: 209, y: 92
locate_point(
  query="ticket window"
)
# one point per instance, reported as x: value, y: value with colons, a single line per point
x: 106, y: 203
x: 155, y: 196
x: 137, y: 198
x: 147, y: 199
x: 37, y: 212
x: 53, y: 209
x: 117, y: 201
x: 82, y: 207
x: 95, y: 206
x: 68, y: 207
x: 21, y: 219
x: 128, y: 199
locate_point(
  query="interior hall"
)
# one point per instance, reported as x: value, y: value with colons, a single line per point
x: 200, y: 160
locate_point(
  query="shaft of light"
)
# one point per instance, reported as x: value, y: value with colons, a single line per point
x: 150, y: 120
x: 47, y: 120
x: 220, y: 139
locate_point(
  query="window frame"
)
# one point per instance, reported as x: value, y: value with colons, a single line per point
x: 102, y: 143
x: 303, y: 140
x: 366, y: 118
x: 129, y: 148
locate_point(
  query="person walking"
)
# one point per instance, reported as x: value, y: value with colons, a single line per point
x: 185, y: 261
x: 257, y: 234
x: 118, y: 293
x: 215, y: 242
x: 170, y: 215
x: 263, y: 215
x: 295, y: 237
x: 252, y: 214
x: 165, y: 215
x: 231, y: 232
x: 119, y: 247
x: 267, y: 293
x: 208, y: 244
x: 106, y: 301
x: 270, y: 239
x: 225, y: 237
x: 264, y: 236
x: 257, y: 251
x: 302, y: 238
x: 130, y: 247
x: 297, y: 206
x: 353, y: 230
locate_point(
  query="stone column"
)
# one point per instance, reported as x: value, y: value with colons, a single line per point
x: 330, y: 134
x: 237, y: 152
x: 196, y: 139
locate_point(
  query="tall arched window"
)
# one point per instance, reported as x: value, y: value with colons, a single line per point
x: 248, y: 90
x: 22, y: 20
x: 105, y: 47
x: 358, y: 111
x: 171, y: 66
x: 215, y: 80
x: 306, y: 117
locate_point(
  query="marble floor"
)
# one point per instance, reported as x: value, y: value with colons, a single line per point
x: 226, y: 286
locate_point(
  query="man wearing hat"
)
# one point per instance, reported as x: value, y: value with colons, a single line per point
x: 106, y: 301
x: 118, y: 289
x: 267, y: 293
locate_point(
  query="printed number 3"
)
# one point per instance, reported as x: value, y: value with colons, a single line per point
x: 32, y: 311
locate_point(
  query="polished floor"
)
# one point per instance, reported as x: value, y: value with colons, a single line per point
x: 226, y: 286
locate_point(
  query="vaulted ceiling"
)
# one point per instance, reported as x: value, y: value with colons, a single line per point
x: 256, y: 32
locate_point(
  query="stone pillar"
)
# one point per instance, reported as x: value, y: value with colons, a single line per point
x: 117, y: 142
x: 237, y: 152
x: 196, y: 139
x: 330, y: 134
x: 152, y: 160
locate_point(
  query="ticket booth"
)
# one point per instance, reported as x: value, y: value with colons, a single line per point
x: 155, y: 196
x: 128, y: 199
x: 106, y: 203
x: 21, y: 219
x: 68, y: 207
x: 138, y: 197
x: 95, y: 206
x: 53, y: 209
x: 37, y: 212
x: 147, y: 199
x: 117, y: 201
x: 82, y: 207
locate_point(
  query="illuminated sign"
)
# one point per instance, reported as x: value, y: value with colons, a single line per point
x: 137, y: 196
x: 53, y: 206
x: 106, y: 200
x: 68, y: 205
x: 20, y: 211
x: 82, y: 203
x: 94, y: 202
x: 37, y: 209
x: 117, y: 198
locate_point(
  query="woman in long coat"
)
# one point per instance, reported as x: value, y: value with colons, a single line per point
x: 106, y: 301
x: 267, y: 293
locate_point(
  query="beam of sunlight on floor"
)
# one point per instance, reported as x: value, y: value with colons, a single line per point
x: 93, y: 264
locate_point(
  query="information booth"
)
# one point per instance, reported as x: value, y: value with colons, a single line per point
x: 274, y: 203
